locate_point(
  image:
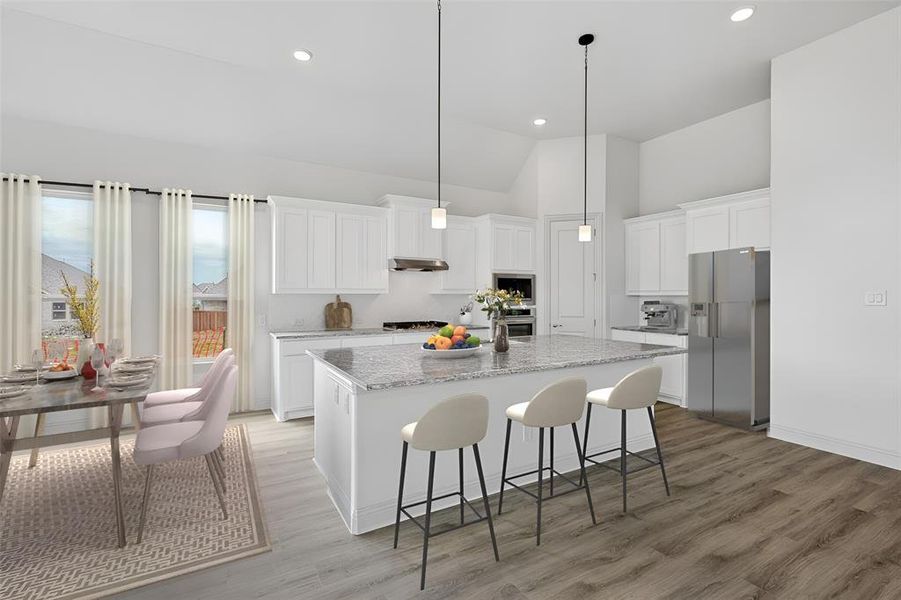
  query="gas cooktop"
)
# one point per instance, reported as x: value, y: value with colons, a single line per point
x: 412, y: 325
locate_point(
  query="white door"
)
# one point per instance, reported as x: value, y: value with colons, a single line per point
x: 572, y: 280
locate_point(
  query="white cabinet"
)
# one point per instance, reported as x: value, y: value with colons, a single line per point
x: 410, y: 233
x: 460, y: 251
x: 672, y: 385
x: 735, y: 221
x: 510, y: 242
x: 656, y: 262
x: 292, y: 376
x: 367, y: 340
x: 325, y: 247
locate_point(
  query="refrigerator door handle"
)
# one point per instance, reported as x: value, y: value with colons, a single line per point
x: 713, y: 320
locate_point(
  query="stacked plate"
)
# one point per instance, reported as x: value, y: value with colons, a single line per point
x: 138, y: 360
x: 13, y: 391
x: 133, y: 368
x: 19, y: 377
x: 119, y: 381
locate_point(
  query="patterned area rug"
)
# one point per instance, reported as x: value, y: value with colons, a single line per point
x: 58, y: 527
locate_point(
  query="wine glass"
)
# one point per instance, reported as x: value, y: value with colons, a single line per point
x: 37, y: 361
x: 114, y: 351
x: 97, y: 360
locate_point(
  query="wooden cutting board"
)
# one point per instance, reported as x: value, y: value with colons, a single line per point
x: 338, y: 314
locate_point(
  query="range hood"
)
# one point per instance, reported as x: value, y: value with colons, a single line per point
x: 417, y: 264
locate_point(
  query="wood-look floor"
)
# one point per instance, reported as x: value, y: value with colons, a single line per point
x: 749, y: 517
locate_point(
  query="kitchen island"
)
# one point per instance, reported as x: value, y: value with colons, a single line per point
x: 363, y: 396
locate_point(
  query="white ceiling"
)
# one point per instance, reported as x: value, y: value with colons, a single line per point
x: 221, y: 74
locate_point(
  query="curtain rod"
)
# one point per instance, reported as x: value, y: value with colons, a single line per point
x: 134, y: 189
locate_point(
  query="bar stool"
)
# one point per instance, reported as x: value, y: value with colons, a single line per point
x: 452, y: 424
x: 637, y: 390
x: 556, y: 405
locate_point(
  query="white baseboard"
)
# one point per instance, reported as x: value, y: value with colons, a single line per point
x: 826, y: 443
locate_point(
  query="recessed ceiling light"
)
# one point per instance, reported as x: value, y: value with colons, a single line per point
x: 303, y: 55
x: 742, y: 14
x: 539, y: 122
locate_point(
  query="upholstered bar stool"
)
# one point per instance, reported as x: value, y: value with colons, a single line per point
x: 453, y: 424
x: 637, y: 390
x: 557, y: 405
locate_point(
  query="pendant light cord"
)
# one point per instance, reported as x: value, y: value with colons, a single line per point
x: 585, y: 148
x: 439, y: 103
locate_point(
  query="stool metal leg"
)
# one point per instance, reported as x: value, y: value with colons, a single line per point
x: 461, y: 486
x: 500, y: 499
x: 400, y: 491
x: 622, y: 459
x: 475, y: 451
x: 552, y: 461
x: 659, y: 452
x: 540, y: 470
x: 585, y: 440
x: 428, y: 518
x: 581, y: 454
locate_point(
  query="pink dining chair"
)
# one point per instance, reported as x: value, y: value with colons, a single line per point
x: 176, y: 441
x: 191, y: 408
x: 187, y: 394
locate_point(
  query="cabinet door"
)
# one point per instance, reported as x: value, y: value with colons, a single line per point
x: 673, y: 258
x: 460, y: 254
x: 648, y: 257
x: 321, y: 266
x: 407, y: 232
x: 524, y: 248
x: 633, y: 242
x: 351, y: 254
x: 672, y: 384
x: 504, y: 241
x: 295, y: 385
x: 430, y: 245
x: 376, y: 254
x: 708, y: 229
x: 290, y: 256
x: 749, y: 224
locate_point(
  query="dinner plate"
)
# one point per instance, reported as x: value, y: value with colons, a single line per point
x: 133, y: 368
x: 18, y: 377
x: 53, y: 375
x: 126, y: 381
x: 138, y: 360
x: 28, y: 368
x: 12, y: 391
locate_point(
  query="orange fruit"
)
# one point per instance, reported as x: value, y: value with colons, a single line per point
x: 443, y: 343
x: 457, y: 338
x: 459, y: 330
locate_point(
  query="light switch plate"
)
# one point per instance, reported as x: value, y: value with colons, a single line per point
x: 877, y: 298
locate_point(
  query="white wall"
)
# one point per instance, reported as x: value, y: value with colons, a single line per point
x: 620, y: 202
x: 723, y: 155
x: 66, y: 153
x: 836, y: 192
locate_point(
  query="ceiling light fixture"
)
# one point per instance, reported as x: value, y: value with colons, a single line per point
x: 742, y: 14
x: 439, y: 215
x: 303, y: 55
x: 539, y: 121
x: 585, y: 228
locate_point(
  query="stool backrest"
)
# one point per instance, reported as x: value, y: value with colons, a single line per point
x: 457, y: 422
x: 638, y: 389
x: 560, y: 403
x: 210, y: 435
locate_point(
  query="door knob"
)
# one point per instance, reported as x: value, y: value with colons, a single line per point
x: 556, y: 325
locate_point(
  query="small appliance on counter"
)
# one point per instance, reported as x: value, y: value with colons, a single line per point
x: 338, y: 314
x: 660, y: 315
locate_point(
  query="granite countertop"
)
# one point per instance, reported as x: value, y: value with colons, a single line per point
x: 374, y: 368
x: 329, y: 333
x: 646, y: 329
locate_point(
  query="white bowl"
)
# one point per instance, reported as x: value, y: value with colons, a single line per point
x: 452, y: 353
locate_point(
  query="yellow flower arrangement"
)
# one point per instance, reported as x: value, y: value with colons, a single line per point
x: 86, y: 311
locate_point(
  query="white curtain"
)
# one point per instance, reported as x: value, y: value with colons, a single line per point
x: 240, y: 324
x: 176, y: 261
x: 20, y: 269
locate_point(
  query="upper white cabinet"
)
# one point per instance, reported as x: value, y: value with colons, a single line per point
x: 734, y: 221
x: 656, y: 262
x: 510, y: 242
x: 460, y: 251
x: 410, y: 233
x: 327, y: 247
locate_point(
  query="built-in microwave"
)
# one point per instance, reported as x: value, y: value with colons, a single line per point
x: 524, y: 284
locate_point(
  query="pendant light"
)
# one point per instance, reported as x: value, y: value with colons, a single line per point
x: 439, y: 215
x: 585, y: 228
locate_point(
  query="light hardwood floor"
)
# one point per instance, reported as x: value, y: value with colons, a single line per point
x: 749, y: 517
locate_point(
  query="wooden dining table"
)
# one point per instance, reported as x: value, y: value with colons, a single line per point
x: 64, y: 395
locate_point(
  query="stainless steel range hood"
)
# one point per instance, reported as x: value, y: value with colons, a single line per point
x: 417, y: 264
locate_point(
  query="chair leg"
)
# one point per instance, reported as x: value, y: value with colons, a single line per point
x: 428, y: 519
x: 135, y: 416
x: 552, y: 463
x: 146, y: 502
x: 217, y: 485
x: 540, y: 469
x: 475, y: 451
x: 580, y: 452
x: 500, y: 499
x: 659, y: 451
x: 622, y: 458
x: 582, y: 475
x: 38, y: 431
x: 400, y: 491
x: 221, y: 454
x: 220, y: 469
x: 461, y: 485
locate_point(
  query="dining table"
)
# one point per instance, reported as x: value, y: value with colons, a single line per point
x: 64, y: 395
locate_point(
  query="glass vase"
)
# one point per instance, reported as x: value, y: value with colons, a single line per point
x: 501, y: 336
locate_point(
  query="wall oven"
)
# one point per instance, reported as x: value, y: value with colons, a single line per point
x: 521, y: 322
x: 524, y: 284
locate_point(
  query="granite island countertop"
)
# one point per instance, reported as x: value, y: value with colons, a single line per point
x: 330, y: 333
x: 646, y: 329
x: 377, y: 368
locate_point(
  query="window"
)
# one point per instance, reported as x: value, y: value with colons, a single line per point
x: 67, y: 222
x: 210, y: 268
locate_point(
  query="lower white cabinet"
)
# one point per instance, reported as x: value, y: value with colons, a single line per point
x: 672, y: 385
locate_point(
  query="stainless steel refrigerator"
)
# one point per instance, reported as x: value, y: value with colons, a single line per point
x: 729, y: 337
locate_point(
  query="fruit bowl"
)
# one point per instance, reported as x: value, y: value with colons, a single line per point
x: 452, y: 352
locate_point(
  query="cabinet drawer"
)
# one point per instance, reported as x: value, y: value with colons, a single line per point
x: 665, y: 339
x: 367, y: 340
x: 621, y: 335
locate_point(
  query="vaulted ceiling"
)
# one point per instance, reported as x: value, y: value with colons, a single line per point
x: 221, y: 74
